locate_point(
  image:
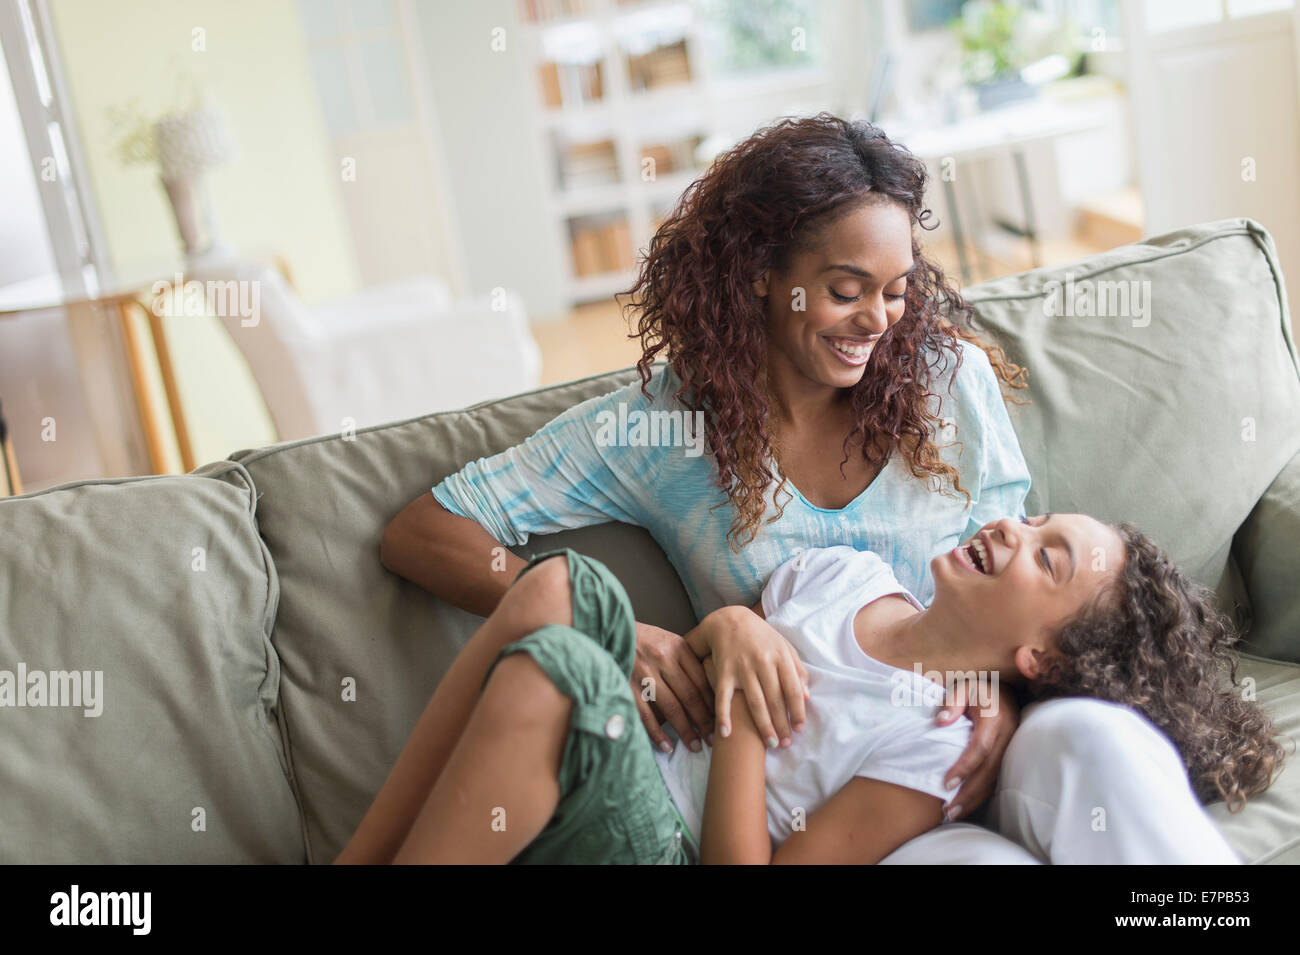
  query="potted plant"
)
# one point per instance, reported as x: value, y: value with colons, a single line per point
x: 999, y: 39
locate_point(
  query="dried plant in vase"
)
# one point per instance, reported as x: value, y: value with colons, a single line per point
x: 183, y: 144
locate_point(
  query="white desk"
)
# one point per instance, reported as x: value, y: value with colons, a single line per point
x: 1008, y: 130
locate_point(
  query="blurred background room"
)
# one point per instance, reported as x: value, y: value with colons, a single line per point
x: 228, y: 223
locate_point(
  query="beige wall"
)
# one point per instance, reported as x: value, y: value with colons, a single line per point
x: 279, y: 196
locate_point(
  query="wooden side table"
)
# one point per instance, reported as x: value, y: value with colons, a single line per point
x: 143, y: 343
x: 12, y: 480
x: 153, y: 418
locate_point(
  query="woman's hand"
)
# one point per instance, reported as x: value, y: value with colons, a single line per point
x: 749, y: 656
x: 976, y: 770
x: 677, y: 688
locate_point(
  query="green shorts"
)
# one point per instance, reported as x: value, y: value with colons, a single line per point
x: 614, y: 807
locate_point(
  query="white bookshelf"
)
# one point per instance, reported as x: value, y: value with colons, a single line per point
x: 716, y: 111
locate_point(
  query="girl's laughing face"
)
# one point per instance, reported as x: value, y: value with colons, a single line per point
x: 1015, y: 584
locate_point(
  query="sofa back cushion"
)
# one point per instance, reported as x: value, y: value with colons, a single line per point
x: 1165, y: 391
x: 138, y: 686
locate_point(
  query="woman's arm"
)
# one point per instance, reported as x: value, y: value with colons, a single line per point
x: 454, y: 541
x: 976, y: 770
x: 450, y: 556
x: 456, y: 559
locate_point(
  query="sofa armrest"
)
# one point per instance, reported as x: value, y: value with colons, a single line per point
x: 391, y: 303
x: 414, y: 363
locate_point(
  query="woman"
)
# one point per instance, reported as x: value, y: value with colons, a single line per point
x: 822, y: 352
x: 546, y: 770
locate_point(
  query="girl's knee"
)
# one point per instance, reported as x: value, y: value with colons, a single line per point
x: 520, y: 692
x: 546, y: 582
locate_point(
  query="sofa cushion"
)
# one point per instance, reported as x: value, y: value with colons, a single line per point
x: 175, y: 752
x: 1175, y: 413
x: 361, y: 649
x: 1267, y: 550
x: 1267, y: 829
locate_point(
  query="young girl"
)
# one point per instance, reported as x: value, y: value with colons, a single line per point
x: 550, y: 763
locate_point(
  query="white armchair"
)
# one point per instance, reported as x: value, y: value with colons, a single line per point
x: 391, y: 352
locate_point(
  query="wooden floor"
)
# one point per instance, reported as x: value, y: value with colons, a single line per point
x: 593, y: 338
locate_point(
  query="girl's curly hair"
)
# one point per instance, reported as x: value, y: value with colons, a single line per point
x: 1154, y: 641
x: 758, y: 204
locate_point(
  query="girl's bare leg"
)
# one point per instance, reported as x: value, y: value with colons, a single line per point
x: 500, y: 787
x: 539, y: 597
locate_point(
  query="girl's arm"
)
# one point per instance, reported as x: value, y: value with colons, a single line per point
x: 734, y: 831
x: 860, y: 825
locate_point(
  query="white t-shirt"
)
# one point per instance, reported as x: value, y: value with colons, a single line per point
x: 865, y: 718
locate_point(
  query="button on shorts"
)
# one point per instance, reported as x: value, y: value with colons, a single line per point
x: 614, y: 807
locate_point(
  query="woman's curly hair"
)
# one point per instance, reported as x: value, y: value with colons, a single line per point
x: 757, y: 205
x: 1154, y: 641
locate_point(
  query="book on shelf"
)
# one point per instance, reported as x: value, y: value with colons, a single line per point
x: 620, y: 239
x: 586, y: 252
x: 669, y: 64
x: 589, y: 164
x: 662, y: 66
x: 549, y: 77
x: 539, y: 11
x: 571, y: 84
x: 602, y: 248
x: 662, y: 156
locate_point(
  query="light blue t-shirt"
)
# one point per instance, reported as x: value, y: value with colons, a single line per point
x: 625, y: 457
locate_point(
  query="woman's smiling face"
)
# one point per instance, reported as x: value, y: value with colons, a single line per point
x: 827, y: 310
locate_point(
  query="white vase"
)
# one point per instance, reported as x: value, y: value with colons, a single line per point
x: 185, y: 200
x: 196, y: 221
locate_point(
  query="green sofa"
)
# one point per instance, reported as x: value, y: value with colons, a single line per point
x: 261, y: 670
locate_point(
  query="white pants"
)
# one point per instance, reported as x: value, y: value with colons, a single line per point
x: 1084, y: 781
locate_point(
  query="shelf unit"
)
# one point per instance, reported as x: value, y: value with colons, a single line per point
x: 616, y: 196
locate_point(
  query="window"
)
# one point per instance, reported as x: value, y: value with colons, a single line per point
x: 756, y: 36
x: 359, y: 64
